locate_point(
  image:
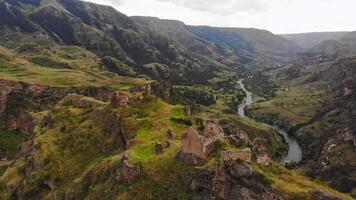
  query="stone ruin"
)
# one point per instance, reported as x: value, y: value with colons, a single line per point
x: 188, y: 110
x: 260, y: 151
x: 128, y: 172
x: 119, y: 99
x: 200, y: 145
x: 237, y: 154
x: 236, y: 136
x: 212, y: 129
x: 196, y: 144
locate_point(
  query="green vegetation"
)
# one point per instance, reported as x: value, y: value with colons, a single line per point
x: 291, y: 183
x: 83, y: 71
x: 115, y: 66
x: 47, y: 62
x: 193, y: 94
x: 10, y: 142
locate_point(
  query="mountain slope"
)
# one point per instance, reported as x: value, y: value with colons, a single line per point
x: 309, y: 40
x: 162, y: 49
x: 251, y: 40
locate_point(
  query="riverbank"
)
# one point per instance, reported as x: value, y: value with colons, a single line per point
x: 294, y: 154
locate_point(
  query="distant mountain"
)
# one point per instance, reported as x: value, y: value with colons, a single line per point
x: 162, y: 49
x: 249, y: 39
x: 342, y: 47
x: 309, y: 40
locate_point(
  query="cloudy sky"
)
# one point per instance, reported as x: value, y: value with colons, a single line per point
x: 278, y: 16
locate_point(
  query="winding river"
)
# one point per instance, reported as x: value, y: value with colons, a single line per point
x: 294, y: 154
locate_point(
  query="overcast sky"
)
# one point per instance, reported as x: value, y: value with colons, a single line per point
x: 278, y: 16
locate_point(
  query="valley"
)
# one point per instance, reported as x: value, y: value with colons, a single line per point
x: 294, y: 154
x: 95, y: 104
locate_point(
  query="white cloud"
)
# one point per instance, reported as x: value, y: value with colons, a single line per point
x: 278, y: 16
x: 224, y: 7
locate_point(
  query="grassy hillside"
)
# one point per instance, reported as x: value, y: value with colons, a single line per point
x: 81, y: 68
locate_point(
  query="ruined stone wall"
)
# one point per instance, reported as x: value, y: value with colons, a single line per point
x: 238, y: 154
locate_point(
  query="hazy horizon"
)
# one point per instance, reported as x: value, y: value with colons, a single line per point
x: 277, y: 16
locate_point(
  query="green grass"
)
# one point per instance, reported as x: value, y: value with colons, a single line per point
x: 291, y: 183
x: 10, y: 141
x: 178, y: 112
x: 48, y: 62
x: 143, y: 134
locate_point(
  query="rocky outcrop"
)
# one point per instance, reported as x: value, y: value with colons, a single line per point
x: 128, y: 172
x: 18, y: 99
x: 233, y: 179
x: 162, y: 90
x: 323, y: 195
x: 25, y: 124
x: 260, y: 151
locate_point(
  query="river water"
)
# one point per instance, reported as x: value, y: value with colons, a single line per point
x: 294, y: 154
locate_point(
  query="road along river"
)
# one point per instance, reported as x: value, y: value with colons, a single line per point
x: 294, y: 154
